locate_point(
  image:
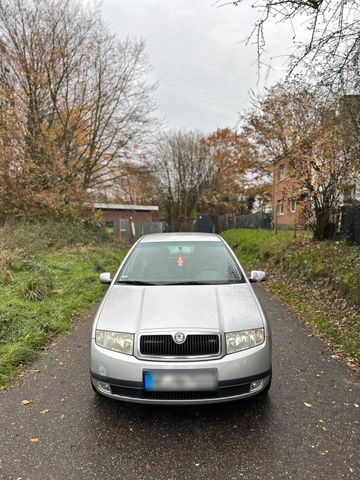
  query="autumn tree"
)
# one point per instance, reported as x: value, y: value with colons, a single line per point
x: 331, y: 48
x: 305, y: 129
x: 232, y: 170
x: 75, y: 98
x: 182, y: 164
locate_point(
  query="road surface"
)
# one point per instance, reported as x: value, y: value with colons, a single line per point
x: 308, y: 428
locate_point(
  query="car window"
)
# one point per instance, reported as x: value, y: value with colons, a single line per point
x: 180, y: 263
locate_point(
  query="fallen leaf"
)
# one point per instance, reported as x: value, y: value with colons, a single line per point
x: 323, y: 452
x: 34, y: 440
x: 26, y: 402
x: 308, y: 405
x: 44, y: 411
x: 356, y: 405
x: 197, y: 464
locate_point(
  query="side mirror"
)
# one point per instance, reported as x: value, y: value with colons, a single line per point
x: 257, y: 276
x: 105, y: 278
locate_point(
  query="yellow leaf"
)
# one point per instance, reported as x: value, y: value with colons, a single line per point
x: 26, y: 402
x: 323, y: 452
x: 308, y: 405
x: 34, y: 440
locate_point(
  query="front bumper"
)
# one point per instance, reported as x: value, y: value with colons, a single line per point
x: 236, y: 374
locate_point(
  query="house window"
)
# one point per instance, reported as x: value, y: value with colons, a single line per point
x: 281, y: 208
x: 281, y: 172
x: 123, y: 225
x: 293, y: 205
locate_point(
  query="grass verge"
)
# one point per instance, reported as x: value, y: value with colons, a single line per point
x: 48, y: 276
x: 320, y: 280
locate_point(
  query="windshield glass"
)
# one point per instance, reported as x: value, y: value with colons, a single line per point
x: 182, y: 262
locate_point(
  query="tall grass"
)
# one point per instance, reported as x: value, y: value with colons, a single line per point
x: 48, y: 275
x: 320, y: 279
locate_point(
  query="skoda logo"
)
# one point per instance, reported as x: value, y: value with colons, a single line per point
x: 179, y: 337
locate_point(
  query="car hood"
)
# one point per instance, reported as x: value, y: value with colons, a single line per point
x: 226, y: 308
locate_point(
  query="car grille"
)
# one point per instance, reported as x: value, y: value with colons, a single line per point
x: 194, y: 345
x: 222, y: 392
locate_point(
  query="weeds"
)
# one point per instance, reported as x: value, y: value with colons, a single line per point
x: 48, y: 276
x: 321, y: 280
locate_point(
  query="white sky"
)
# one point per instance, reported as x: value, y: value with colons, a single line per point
x: 204, y: 71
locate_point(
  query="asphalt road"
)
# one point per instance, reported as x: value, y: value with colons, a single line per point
x: 308, y: 428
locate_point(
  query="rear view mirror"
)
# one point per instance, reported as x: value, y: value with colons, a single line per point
x: 257, y: 276
x: 105, y: 278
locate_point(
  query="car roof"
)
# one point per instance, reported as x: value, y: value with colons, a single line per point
x: 181, y: 236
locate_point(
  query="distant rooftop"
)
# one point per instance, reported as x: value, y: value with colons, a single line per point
x: 118, y: 206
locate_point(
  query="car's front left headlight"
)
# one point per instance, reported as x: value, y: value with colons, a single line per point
x: 237, y: 341
x: 116, y: 341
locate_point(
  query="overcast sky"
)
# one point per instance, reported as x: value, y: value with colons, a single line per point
x: 204, y: 70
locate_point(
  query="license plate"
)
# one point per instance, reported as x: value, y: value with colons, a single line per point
x: 180, y: 380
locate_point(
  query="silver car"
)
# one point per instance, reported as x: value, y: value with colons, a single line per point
x: 180, y: 324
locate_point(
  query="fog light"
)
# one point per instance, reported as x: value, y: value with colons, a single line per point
x: 256, y: 385
x: 104, y: 387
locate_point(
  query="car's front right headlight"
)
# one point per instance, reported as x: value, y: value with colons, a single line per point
x: 116, y: 341
x: 238, y: 341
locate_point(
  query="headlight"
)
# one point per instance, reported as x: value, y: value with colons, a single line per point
x: 119, y: 342
x: 237, y: 341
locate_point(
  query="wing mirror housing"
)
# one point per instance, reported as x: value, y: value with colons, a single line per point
x: 257, y: 276
x: 105, y: 278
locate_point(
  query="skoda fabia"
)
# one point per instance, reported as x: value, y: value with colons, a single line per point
x: 180, y: 324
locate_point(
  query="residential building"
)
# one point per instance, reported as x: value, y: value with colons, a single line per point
x: 287, y: 210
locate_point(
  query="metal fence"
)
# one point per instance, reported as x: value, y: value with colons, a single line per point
x: 146, y: 228
x: 182, y: 226
x: 135, y: 230
x: 251, y: 220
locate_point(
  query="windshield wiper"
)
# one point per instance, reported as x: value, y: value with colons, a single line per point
x: 134, y: 282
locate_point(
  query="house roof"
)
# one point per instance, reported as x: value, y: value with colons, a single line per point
x: 118, y: 206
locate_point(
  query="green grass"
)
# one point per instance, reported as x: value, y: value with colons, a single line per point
x: 321, y: 280
x: 48, y: 276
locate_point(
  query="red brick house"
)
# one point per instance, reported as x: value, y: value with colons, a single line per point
x: 286, y: 208
x: 129, y: 221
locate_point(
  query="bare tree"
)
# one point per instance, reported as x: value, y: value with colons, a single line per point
x: 183, y: 166
x: 332, y: 48
x: 78, y: 94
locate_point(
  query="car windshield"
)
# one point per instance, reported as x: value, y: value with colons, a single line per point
x: 180, y: 263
